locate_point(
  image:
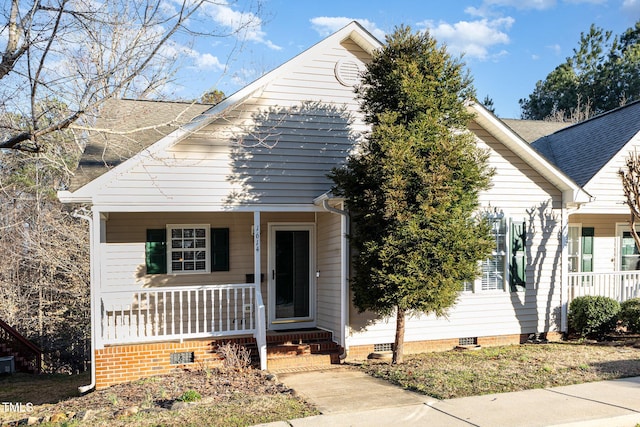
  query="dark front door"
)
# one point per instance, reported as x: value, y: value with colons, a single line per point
x: 291, y: 275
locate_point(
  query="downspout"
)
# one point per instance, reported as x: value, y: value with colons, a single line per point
x: 92, y: 385
x: 344, y: 273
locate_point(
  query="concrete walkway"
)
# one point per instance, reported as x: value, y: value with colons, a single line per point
x: 348, y: 397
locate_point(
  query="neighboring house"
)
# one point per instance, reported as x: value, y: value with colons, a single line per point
x: 603, y: 258
x: 226, y: 228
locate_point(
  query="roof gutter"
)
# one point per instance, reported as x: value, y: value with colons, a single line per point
x: 92, y: 385
x: 66, y: 196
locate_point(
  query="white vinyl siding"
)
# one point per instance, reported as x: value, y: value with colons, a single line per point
x: 276, y: 149
x: 606, y: 240
x: 330, y: 269
x: 606, y: 187
x: 526, y: 198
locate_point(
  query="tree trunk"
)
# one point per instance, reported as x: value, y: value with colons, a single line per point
x: 398, y: 348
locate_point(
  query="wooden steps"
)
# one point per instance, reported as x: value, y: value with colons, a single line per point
x: 26, y: 356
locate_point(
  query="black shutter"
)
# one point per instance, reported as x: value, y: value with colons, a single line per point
x: 156, y: 251
x: 219, y: 249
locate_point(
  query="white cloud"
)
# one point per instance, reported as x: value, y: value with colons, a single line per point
x: 244, y: 76
x: 208, y: 61
x: 473, y: 38
x: 327, y: 25
x: 247, y: 25
x: 631, y: 7
x: 522, y: 4
x: 555, y: 48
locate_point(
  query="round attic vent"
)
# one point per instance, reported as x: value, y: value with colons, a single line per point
x: 348, y: 72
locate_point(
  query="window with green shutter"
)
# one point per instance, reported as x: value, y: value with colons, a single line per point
x: 517, y: 266
x: 156, y: 251
x: 188, y: 251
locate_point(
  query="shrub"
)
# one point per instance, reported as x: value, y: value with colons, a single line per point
x: 234, y: 356
x: 189, y: 396
x: 593, y: 316
x: 630, y: 315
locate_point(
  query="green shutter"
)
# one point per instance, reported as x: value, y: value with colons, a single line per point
x: 517, y: 266
x: 219, y: 249
x: 587, y: 249
x: 156, y: 251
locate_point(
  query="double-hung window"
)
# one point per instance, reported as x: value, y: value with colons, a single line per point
x: 188, y: 250
x: 580, y: 248
x: 493, y: 268
x: 506, y: 266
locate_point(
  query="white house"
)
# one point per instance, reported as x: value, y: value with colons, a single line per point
x: 603, y: 258
x: 223, y: 228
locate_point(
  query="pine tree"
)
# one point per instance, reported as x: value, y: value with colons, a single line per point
x: 412, y: 189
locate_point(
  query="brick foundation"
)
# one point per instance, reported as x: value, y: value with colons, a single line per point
x: 361, y: 352
x: 123, y: 363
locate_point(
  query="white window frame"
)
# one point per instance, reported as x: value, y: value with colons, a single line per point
x: 477, y: 285
x: 621, y: 227
x: 196, y: 249
x: 578, y: 243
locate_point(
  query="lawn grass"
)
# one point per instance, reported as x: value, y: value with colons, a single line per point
x: 40, y: 389
x: 458, y: 373
x: 219, y: 398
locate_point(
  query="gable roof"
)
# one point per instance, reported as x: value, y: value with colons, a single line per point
x: 531, y: 130
x: 124, y: 128
x: 84, y: 194
x: 122, y: 163
x: 573, y: 194
x: 583, y: 149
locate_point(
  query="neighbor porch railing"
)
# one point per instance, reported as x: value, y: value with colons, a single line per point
x: 620, y: 285
x: 181, y: 313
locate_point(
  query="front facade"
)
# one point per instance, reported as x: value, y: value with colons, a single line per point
x: 225, y: 228
x: 603, y: 258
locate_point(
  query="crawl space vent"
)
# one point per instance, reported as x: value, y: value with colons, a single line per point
x: 383, y: 347
x: 348, y: 72
x: 182, y: 358
x: 468, y: 341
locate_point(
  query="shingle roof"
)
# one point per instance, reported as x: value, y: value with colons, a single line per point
x: 581, y: 150
x: 124, y: 128
x: 531, y: 130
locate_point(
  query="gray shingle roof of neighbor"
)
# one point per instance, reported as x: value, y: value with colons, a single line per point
x: 531, y: 130
x: 581, y: 150
x: 124, y: 128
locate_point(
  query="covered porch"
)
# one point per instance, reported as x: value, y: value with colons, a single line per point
x: 603, y: 257
x: 163, y: 277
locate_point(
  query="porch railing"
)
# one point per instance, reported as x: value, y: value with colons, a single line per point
x: 180, y: 313
x: 620, y: 285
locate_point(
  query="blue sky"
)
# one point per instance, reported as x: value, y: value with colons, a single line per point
x: 508, y: 45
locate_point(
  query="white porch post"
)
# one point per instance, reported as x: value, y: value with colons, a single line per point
x: 261, y: 329
x: 564, y: 270
x: 97, y: 238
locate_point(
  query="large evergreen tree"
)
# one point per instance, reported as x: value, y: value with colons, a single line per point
x: 602, y: 74
x: 412, y: 188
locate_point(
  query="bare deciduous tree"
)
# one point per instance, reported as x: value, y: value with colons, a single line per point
x: 630, y: 176
x: 81, y: 53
